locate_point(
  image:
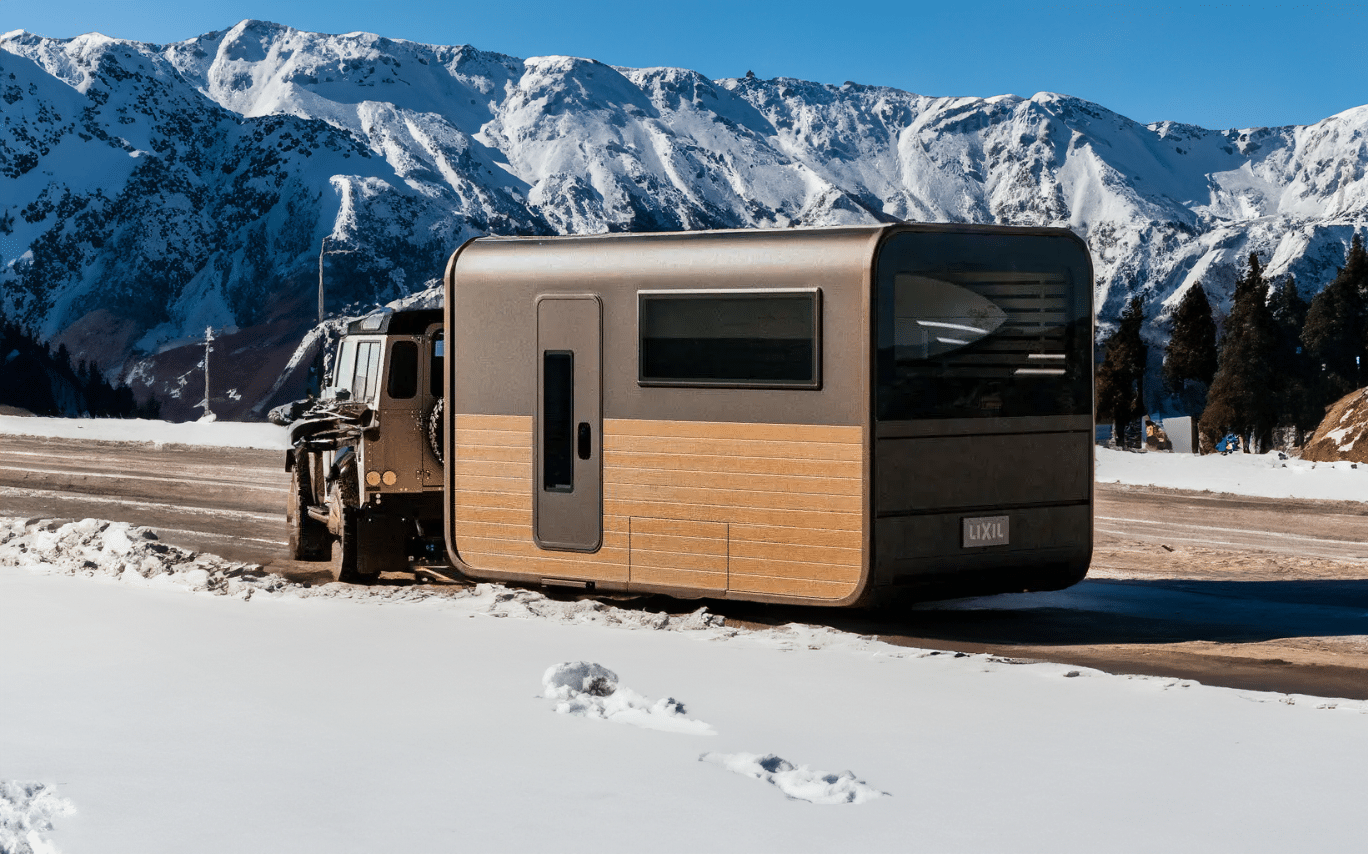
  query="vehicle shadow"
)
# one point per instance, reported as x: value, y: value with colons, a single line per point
x: 1105, y: 612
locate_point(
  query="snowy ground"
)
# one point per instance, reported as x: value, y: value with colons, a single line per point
x: 156, y: 700
x: 1263, y: 475
x: 228, y: 434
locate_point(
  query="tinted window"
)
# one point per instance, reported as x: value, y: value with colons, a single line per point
x: 367, y: 378
x: 731, y: 338
x: 403, y: 370
x: 983, y: 326
x: 558, y: 421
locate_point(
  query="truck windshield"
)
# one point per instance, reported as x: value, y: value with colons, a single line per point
x: 975, y: 325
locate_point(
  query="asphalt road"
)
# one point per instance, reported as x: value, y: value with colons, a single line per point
x: 1243, y: 592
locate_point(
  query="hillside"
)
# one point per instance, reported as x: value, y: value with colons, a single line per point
x: 152, y: 190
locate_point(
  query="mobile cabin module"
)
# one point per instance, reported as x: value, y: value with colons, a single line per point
x: 818, y: 416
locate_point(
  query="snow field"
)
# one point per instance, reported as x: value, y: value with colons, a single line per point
x: 224, y: 434
x: 335, y: 719
x: 1262, y: 475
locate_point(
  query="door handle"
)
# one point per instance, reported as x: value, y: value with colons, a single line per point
x: 583, y: 440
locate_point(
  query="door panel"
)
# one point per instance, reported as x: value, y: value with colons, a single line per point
x: 567, y: 446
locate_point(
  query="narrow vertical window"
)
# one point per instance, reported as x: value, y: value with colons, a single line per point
x: 403, y: 370
x: 558, y: 420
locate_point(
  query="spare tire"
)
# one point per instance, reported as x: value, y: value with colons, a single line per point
x: 434, y: 430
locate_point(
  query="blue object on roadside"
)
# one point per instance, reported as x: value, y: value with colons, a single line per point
x: 1230, y: 442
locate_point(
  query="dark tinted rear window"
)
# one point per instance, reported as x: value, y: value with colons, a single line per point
x: 730, y: 338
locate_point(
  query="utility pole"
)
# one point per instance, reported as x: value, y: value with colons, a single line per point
x: 208, y: 348
x: 319, y: 359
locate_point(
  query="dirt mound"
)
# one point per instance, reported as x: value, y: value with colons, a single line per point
x: 1341, y: 436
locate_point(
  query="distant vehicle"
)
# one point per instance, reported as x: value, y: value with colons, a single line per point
x: 823, y: 416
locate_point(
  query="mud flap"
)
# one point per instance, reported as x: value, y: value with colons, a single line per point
x: 381, y: 544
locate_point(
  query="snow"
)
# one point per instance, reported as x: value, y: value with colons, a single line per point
x: 26, y: 811
x: 221, y: 434
x: 1264, y: 475
x: 161, y: 700
x: 589, y: 690
x: 190, y: 709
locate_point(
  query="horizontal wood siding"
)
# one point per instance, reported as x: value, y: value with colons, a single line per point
x: 773, y: 509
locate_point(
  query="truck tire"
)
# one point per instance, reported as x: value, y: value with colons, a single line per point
x: 344, y: 548
x: 308, y: 537
x: 347, y: 545
x: 434, y: 430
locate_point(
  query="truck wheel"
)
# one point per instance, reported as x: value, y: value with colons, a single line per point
x: 434, y: 425
x: 308, y: 537
x: 344, y: 548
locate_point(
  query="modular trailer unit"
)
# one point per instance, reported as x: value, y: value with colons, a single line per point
x: 816, y: 416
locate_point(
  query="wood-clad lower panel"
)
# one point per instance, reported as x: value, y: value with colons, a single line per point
x: 853, y: 539
x: 664, y: 551
x: 732, y: 464
x: 850, y: 435
x: 732, y: 447
x: 822, y: 555
x: 786, y: 483
x: 735, y: 497
x: 561, y: 565
x: 468, y: 464
x: 811, y: 589
x: 510, y: 423
x: 796, y: 569
x: 749, y: 515
x: 754, y: 508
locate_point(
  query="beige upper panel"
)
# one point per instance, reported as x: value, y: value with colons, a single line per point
x: 495, y: 282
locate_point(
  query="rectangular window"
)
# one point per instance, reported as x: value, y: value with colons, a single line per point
x: 367, y: 379
x: 558, y: 421
x: 763, y: 339
x: 403, y: 370
x: 983, y: 326
x: 346, y: 364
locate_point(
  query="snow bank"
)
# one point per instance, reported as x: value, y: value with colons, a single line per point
x: 215, y: 434
x: 129, y: 553
x: 588, y: 690
x: 26, y: 812
x: 800, y: 782
x: 1262, y: 475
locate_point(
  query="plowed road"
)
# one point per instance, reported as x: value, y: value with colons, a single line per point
x: 1244, y: 592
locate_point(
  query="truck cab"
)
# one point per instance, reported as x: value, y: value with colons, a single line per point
x: 366, y: 461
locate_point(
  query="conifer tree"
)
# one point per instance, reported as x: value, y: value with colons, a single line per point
x: 1296, y: 404
x: 1241, y: 400
x: 1334, y: 335
x: 1121, y: 378
x: 1190, y: 356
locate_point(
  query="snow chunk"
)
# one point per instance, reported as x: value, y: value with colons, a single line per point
x: 588, y: 690
x: 26, y: 812
x: 799, y: 783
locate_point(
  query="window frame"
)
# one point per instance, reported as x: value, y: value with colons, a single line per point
x: 682, y: 294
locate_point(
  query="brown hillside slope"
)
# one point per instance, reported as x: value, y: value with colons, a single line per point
x: 1343, y: 435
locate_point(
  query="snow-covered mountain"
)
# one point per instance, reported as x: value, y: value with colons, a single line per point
x: 150, y: 191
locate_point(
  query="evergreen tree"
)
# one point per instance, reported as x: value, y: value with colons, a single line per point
x: 1190, y: 356
x: 1121, y: 378
x: 1294, y: 380
x: 1335, y: 334
x: 1241, y: 400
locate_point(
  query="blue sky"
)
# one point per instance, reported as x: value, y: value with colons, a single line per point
x: 1217, y: 65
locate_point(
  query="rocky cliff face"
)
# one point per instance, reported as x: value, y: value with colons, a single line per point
x: 151, y: 191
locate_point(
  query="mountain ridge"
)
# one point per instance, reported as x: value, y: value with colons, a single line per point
x: 174, y: 187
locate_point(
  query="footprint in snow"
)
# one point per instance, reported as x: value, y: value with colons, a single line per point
x: 588, y: 690
x: 799, y: 783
